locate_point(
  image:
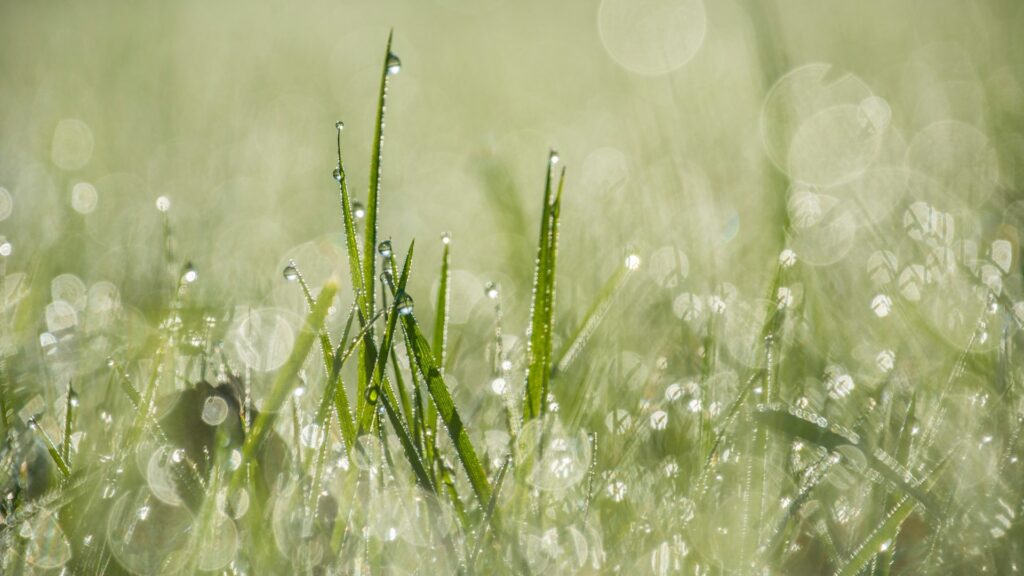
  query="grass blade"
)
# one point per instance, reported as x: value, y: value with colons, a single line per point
x: 887, y: 530
x: 538, y: 375
x: 592, y: 319
x: 62, y: 465
x: 285, y: 380
x: 424, y: 360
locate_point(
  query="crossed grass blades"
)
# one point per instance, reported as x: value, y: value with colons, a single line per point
x: 369, y: 486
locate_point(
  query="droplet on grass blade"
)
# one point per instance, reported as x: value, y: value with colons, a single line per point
x: 404, y: 304
x: 190, y: 274
x: 394, y: 65
x: 291, y: 273
x: 163, y: 203
x: 384, y: 249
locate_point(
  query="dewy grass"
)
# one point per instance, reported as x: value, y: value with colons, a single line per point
x: 575, y: 458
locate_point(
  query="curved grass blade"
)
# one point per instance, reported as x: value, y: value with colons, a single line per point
x: 285, y: 380
x: 62, y: 465
x: 594, y: 316
x: 492, y: 504
x: 424, y: 362
x: 538, y: 373
x: 887, y: 530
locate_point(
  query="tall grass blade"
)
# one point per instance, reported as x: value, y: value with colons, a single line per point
x: 439, y: 392
x: 284, y: 382
x: 592, y: 319
x: 538, y: 375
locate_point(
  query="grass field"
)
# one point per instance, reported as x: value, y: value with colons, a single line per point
x: 626, y: 287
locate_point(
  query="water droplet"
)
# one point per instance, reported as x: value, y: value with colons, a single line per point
x: 84, y: 198
x: 32, y: 424
x: 784, y: 297
x: 178, y: 455
x: 659, y: 420
x: 372, y: 393
x: 163, y: 203
x: 633, y: 262
x: 215, y: 410
x: 5, y: 248
x: 189, y: 275
x: 358, y: 211
x: 491, y: 290
x: 881, y: 305
x: 384, y: 249
x: 498, y: 386
x: 787, y: 258
x: 291, y: 273
x: 72, y: 397
x: 617, y: 491
x: 336, y: 174
x: 553, y: 158
x: 339, y: 125
x: 446, y: 238
x: 886, y: 360
x: 394, y: 64
x: 404, y: 304
x: 143, y: 512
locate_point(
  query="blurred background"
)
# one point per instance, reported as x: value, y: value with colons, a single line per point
x: 228, y: 110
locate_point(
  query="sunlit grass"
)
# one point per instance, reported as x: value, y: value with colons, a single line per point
x: 848, y: 421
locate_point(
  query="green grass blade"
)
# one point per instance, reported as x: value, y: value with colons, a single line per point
x: 62, y: 465
x: 492, y: 504
x: 324, y: 337
x: 68, y: 421
x: 373, y: 194
x: 440, y: 342
x: 381, y: 355
x: 592, y: 319
x: 439, y: 392
x: 285, y: 380
x: 542, y: 313
x: 888, y: 529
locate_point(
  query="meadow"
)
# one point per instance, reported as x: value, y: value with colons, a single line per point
x: 657, y: 287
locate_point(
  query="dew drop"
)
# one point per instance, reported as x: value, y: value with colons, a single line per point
x: 659, y: 420
x: 215, y: 410
x: 178, y: 455
x: 446, y: 238
x: 5, y: 248
x: 553, y: 158
x: 372, y: 393
x: 498, y: 386
x: 358, y: 211
x: 163, y: 203
x: 291, y: 273
x: 384, y: 249
x: 394, y: 64
x: 189, y: 275
x: 337, y: 174
x: 881, y: 305
x: 787, y: 258
x: 339, y: 125
x: 404, y: 304
x: 633, y: 262
x: 491, y: 290
x: 72, y: 397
